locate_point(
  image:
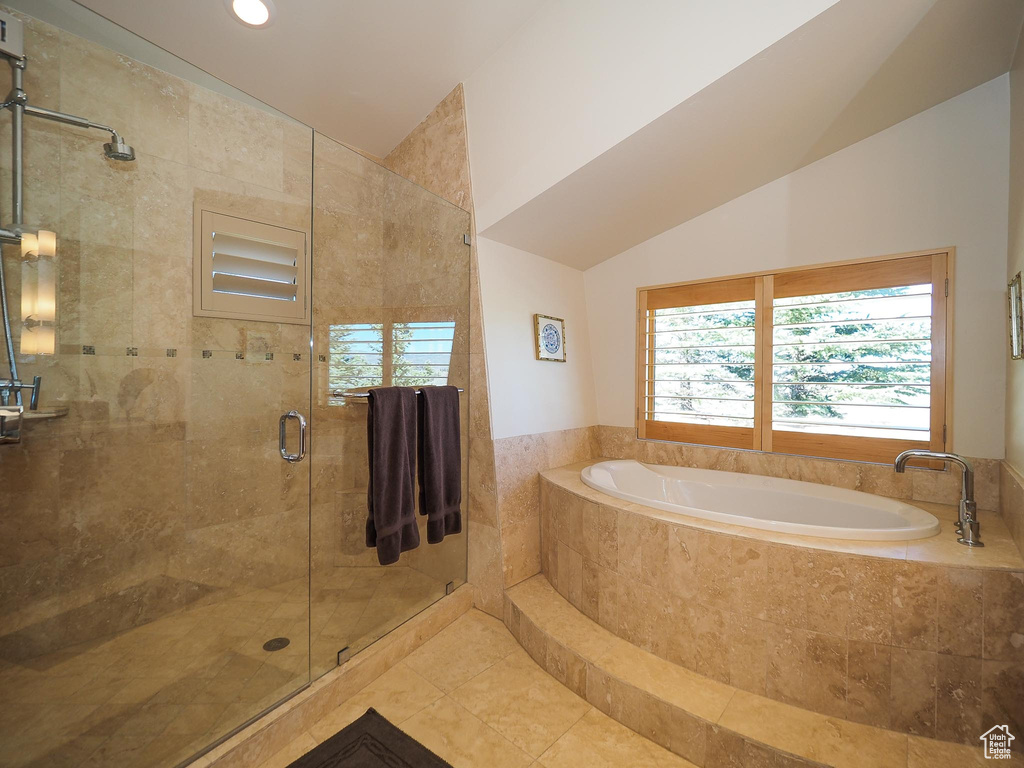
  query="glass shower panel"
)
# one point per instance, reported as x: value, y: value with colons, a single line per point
x: 154, y: 546
x: 390, y: 307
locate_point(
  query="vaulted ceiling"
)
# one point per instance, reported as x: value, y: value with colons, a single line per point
x: 364, y: 73
x: 857, y: 68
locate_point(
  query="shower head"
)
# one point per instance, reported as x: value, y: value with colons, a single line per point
x: 116, y: 149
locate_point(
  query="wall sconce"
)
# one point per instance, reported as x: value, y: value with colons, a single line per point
x: 38, y: 293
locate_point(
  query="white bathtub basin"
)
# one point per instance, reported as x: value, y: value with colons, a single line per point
x: 768, y: 503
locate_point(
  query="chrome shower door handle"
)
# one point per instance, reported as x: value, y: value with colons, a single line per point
x: 283, y: 437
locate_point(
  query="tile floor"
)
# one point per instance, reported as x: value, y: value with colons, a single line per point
x: 158, y: 693
x: 473, y: 696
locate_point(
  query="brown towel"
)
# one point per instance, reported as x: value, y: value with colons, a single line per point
x: 440, y: 462
x: 391, y: 495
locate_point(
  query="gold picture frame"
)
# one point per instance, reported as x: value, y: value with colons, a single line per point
x: 1016, y: 302
x: 550, y: 338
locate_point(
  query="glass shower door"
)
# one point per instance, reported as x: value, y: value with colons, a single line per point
x: 390, y: 308
x: 154, y: 544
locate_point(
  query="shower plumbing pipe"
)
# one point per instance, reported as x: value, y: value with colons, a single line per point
x: 16, y: 103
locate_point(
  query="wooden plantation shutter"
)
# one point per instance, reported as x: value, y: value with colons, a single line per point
x: 249, y: 270
x: 699, y: 363
x: 843, y: 361
x: 858, y: 359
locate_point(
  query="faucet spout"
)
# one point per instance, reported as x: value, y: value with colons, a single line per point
x: 967, y: 525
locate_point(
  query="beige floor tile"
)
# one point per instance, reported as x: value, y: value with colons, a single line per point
x: 597, y: 741
x: 444, y: 660
x: 454, y: 734
x: 397, y: 695
x: 522, y: 702
x: 291, y: 752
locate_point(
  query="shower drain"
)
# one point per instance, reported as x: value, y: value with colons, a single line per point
x: 276, y: 644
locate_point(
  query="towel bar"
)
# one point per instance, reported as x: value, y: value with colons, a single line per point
x: 365, y: 395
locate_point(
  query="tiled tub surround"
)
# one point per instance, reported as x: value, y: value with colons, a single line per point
x: 922, y: 637
x: 519, y: 461
x: 941, y: 487
x: 709, y: 723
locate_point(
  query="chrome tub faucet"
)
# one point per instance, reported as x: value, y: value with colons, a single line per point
x: 967, y: 526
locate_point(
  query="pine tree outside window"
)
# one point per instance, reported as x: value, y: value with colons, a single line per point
x: 402, y: 354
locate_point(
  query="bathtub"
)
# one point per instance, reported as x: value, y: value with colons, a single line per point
x: 768, y: 503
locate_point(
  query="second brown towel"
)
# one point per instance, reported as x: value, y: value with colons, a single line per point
x: 440, y: 462
x: 391, y: 494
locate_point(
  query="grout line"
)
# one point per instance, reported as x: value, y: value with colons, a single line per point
x: 725, y: 709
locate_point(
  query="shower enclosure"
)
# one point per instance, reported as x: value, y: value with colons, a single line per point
x: 165, y: 575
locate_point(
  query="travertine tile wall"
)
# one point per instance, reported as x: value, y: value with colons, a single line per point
x: 162, y: 485
x: 436, y: 156
x: 1011, y: 500
x: 519, y: 461
x: 917, y: 485
x: 914, y: 647
x: 386, y: 251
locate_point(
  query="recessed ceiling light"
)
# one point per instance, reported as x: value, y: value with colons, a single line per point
x: 252, y: 13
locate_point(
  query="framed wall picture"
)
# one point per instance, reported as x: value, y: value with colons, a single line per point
x: 550, y: 338
x: 1016, y: 319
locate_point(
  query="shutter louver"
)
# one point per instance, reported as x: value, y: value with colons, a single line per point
x: 251, y: 270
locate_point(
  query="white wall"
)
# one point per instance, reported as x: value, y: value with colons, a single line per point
x: 1015, y: 258
x: 583, y: 75
x: 937, y: 179
x: 530, y: 395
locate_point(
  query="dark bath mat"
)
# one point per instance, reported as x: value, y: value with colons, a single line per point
x: 370, y: 742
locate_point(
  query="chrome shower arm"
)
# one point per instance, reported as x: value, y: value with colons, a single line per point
x: 64, y: 117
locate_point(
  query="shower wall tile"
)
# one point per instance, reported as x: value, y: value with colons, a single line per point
x: 115, y: 510
x: 435, y: 155
x: 232, y: 139
x: 160, y: 113
x: 162, y: 254
x: 95, y: 81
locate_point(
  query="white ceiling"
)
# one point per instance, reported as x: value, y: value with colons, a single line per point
x: 858, y: 68
x: 364, y: 73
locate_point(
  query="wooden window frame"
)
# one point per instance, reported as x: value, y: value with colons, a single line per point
x: 935, y: 267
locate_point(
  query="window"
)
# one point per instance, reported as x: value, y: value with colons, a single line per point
x: 845, y: 361
x: 249, y: 270
x: 402, y: 354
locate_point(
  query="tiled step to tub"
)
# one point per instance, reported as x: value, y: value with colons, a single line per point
x: 709, y: 723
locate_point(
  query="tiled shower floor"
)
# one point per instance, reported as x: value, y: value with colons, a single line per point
x: 158, y: 693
